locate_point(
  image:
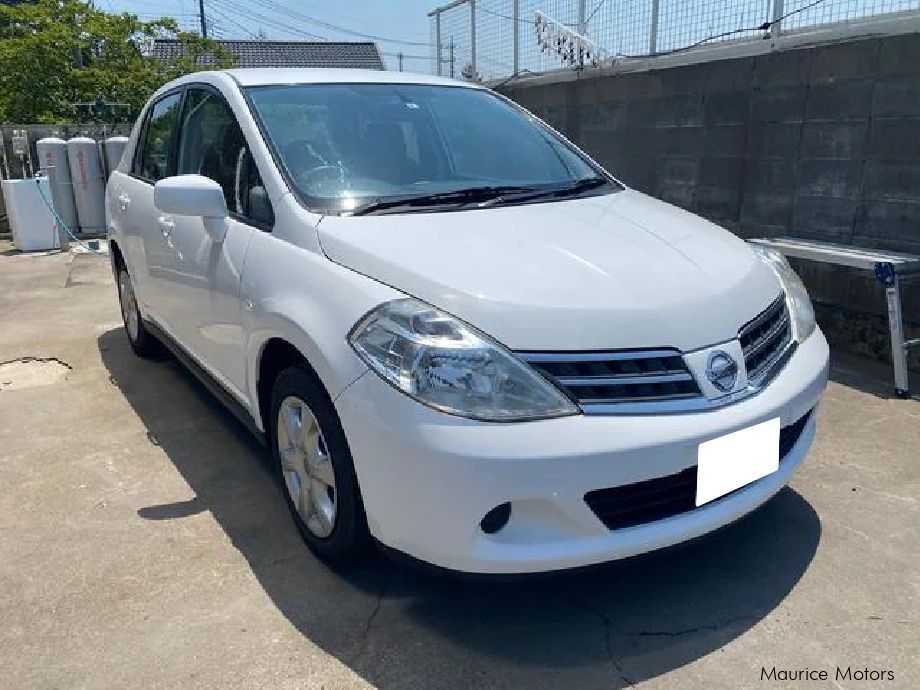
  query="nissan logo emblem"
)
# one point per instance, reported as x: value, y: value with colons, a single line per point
x: 722, y: 370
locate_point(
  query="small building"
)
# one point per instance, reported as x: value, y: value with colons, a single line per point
x: 264, y: 53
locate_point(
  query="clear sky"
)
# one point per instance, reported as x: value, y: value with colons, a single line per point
x: 399, y: 20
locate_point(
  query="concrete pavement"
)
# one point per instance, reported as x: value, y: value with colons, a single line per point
x: 144, y: 543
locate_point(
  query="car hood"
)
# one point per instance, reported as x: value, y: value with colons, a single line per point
x: 615, y: 271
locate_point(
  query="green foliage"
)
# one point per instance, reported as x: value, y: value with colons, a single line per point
x: 54, y: 53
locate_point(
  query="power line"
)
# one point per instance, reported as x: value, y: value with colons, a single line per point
x: 232, y: 21
x: 520, y: 20
x: 766, y: 26
x: 269, y: 4
x: 591, y: 16
x: 505, y: 16
x: 288, y: 14
x: 407, y: 56
x: 242, y: 11
x: 346, y: 19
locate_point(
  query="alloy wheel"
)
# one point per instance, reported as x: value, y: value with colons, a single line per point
x: 306, y: 466
x: 128, y: 305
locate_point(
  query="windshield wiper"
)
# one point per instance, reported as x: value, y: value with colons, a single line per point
x: 460, y: 196
x: 583, y: 185
x: 579, y: 186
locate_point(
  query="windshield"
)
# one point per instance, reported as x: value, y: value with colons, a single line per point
x: 346, y: 147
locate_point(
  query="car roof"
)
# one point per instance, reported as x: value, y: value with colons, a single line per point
x: 297, y: 75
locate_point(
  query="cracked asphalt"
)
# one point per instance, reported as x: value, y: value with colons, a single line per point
x: 144, y: 544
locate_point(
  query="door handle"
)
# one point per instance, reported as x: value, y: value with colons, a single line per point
x: 166, y: 225
x: 124, y: 201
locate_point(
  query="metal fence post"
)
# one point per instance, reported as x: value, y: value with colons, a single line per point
x: 778, y: 11
x: 653, y: 31
x: 437, y: 31
x: 473, y: 76
x: 515, y: 36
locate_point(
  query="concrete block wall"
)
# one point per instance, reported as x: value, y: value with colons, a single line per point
x: 820, y: 142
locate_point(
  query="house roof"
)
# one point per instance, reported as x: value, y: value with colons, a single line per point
x: 284, y: 53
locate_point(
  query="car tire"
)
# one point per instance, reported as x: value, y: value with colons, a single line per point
x: 315, y: 467
x: 142, y: 342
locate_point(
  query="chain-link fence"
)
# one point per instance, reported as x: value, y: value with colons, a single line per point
x: 491, y: 39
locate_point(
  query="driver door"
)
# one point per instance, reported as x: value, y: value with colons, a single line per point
x: 204, y: 280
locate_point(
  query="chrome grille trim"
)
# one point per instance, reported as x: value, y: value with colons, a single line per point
x: 658, y: 381
x: 597, y: 356
x: 766, y: 340
x: 622, y: 379
x: 575, y: 381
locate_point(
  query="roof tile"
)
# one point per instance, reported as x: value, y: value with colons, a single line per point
x: 284, y: 53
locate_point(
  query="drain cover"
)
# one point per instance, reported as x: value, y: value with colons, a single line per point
x: 29, y: 372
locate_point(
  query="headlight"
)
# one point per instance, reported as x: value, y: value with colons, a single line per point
x: 800, y: 309
x: 445, y: 363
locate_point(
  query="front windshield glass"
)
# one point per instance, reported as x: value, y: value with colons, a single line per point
x: 348, y: 146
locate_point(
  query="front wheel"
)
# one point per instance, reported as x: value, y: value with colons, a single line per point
x: 142, y: 342
x: 313, y: 459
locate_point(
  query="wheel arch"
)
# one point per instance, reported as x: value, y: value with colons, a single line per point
x: 115, y: 252
x: 275, y: 355
x: 274, y: 349
x: 116, y: 258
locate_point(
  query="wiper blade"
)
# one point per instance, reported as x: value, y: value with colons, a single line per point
x: 574, y: 189
x: 459, y: 196
x: 577, y: 187
x: 583, y: 185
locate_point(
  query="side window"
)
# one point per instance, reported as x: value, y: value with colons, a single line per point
x: 153, y: 162
x: 212, y: 144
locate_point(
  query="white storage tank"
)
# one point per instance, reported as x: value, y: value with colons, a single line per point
x: 88, y: 184
x: 52, y: 156
x: 31, y: 221
x: 114, y: 148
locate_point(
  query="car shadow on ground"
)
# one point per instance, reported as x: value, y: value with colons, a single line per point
x: 397, y: 626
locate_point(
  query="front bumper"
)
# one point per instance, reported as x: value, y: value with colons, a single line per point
x: 427, y: 478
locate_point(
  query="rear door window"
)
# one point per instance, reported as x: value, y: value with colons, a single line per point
x: 155, y: 159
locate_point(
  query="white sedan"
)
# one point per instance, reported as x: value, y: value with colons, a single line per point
x: 459, y: 336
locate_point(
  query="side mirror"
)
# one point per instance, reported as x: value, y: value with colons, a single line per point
x: 194, y: 195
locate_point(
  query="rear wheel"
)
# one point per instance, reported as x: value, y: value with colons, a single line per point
x: 143, y: 344
x: 313, y: 459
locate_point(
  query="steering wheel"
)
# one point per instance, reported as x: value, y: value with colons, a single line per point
x: 324, y: 177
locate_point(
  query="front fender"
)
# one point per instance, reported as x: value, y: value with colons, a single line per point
x: 298, y: 295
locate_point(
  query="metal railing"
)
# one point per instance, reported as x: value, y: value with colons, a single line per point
x: 491, y: 39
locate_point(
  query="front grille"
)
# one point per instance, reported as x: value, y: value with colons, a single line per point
x: 658, y: 381
x: 598, y: 378
x: 765, y: 339
x: 662, y: 497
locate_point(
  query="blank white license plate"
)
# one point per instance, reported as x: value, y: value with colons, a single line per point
x: 731, y: 461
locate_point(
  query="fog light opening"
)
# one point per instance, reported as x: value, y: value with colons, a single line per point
x: 496, y: 518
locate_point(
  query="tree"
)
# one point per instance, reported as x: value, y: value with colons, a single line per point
x: 57, y: 52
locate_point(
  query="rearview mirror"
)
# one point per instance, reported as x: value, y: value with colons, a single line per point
x: 194, y: 195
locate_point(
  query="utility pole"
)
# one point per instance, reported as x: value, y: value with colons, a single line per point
x: 515, y: 37
x: 399, y: 57
x: 204, y: 24
x: 473, y: 38
x: 437, y: 28
x: 450, y: 49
